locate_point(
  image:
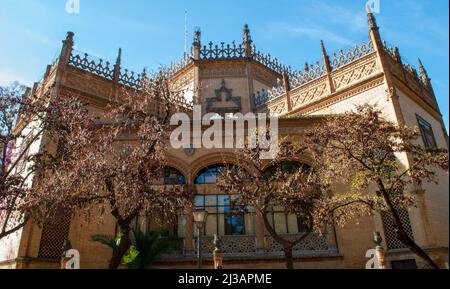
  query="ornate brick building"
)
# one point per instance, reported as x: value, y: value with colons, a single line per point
x: 239, y: 78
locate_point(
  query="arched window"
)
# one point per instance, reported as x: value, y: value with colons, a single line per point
x: 209, y: 174
x: 169, y: 177
x: 224, y: 217
x: 173, y: 177
x: 282, y: 222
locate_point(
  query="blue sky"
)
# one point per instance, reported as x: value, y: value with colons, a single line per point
x: 151, y: 32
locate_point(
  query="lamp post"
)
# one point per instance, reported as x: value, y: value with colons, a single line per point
x: 200, y: 220
x: 67, y: 245
x: 379, y: 250
x: 218, y: 258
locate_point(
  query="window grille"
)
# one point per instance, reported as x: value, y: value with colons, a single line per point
x: 54, y: 232
x: 392, y: 241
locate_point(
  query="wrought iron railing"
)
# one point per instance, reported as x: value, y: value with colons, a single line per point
x: 342, y: 58
x: 313, y: 71
x: 268, y: 61
x: 174, y: 68
x: 235, y: 51
x: 264, y: 96
x: 261, y: 97
x: 391, y: 51
x: 310, y: 73
x: 296, y: 79
x: 97, y: 66
x: 222, y: 51
x: 129, y: 78
x: 91, y: 64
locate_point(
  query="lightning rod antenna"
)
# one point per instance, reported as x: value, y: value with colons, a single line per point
x: 186, y: 32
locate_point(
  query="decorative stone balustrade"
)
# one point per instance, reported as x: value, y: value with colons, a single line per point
x: 245, y: 245
x: 312, y: 242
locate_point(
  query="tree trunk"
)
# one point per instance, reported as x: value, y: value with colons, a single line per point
x: 124, y: 245
x: 286, y: 244
x: 405, y: 239
x: 288, y: 256
x: 401, y: 233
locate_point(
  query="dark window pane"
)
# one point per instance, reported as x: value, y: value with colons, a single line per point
x: 234, y: 224
x: 173, y: 177
x: 404, y: 264
x: 427, y: 133
x: 222, y: 217
x: 302, y: 222
x: 209, y: 175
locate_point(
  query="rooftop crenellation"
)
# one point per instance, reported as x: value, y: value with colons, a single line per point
x: 248, y: 50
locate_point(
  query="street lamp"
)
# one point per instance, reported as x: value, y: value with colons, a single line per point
x: 379, y: 250
x: 200, y: 220
x: 218, y: 258
x: 67, y: 245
